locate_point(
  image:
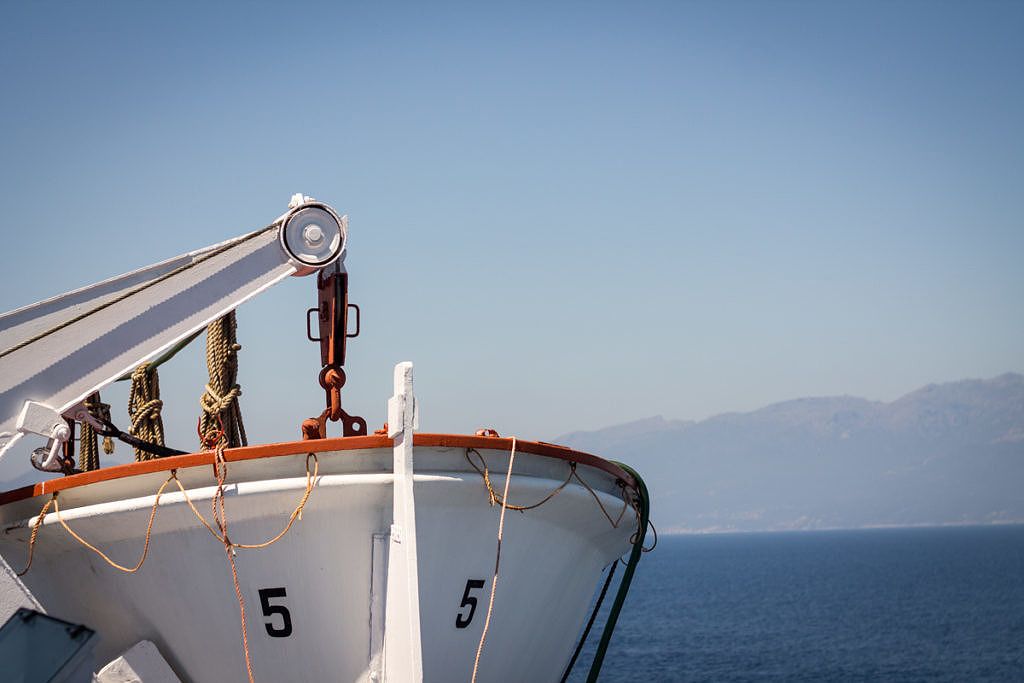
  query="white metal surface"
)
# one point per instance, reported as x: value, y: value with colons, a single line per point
x: 403, y: 656
x: 59, y: 351
x: 378, y: 588
x: 322, y: 572
x: 42, y: 420
x: 13, y: 593
x: 142, y: 663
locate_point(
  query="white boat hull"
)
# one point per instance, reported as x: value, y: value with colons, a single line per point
x: 315, y: 599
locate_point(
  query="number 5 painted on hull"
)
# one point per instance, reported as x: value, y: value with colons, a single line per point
x: 269, y: 610
x: 470, y: 601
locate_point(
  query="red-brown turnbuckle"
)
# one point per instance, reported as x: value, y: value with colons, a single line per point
x: 332, y: 316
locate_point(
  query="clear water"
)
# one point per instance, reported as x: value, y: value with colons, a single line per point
x: 943, y: 604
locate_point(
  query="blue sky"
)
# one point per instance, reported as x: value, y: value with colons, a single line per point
x: 567, y: 216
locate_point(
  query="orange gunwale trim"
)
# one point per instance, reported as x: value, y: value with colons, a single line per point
x: 348, y: 443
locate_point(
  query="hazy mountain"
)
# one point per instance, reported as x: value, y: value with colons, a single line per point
x: 946, y: 453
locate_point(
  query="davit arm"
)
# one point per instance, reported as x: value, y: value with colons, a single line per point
x: 55, y: 353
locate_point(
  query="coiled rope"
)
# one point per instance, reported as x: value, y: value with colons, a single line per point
x: 221, y: 412
x: 88, y: 442
x: 144, y: 406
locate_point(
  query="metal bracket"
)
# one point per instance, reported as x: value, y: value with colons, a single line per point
x: 355, y: 334
x: 41, y: 419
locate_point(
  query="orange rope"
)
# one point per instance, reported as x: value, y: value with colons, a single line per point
x: 221, y: 520
x: 505, y: 505
x: 311, y: 478
x: 35, y: 533
x: 220, y: 517
x: 625, y: 503
x: 495, y: 498
x: 90, y: 546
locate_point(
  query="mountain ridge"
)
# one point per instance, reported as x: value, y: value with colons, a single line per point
x: 947, y: 453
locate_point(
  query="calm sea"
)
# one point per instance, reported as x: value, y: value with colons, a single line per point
x: 942, y: 604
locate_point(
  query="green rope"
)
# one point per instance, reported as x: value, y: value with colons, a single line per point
x: 627, y: 576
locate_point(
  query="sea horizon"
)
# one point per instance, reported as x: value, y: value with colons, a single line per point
x: 869, y: 527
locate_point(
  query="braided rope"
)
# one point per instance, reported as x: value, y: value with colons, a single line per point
x: 144, y: 406
x: 88, y: 444
x: 221, y: 411
x: 311, y: 479
x: 497, y: 499
x: 90, y: 546
x: 220, y: 533
x: 220, y: 517
x: 35, y: 534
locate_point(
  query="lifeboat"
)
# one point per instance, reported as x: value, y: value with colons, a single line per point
x: 394, y: 556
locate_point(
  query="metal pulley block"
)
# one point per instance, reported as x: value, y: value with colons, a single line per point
x: 332, y: 323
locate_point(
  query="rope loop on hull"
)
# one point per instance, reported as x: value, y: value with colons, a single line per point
x: 634, y: 498
x: 499, y: 499
x: 220, y: 532
x: 637, y: 500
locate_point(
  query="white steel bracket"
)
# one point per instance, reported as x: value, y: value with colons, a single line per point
x: 41, y: 419
x: 403, y: 655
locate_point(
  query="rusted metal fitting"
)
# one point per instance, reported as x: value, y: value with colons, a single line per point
x: 332, y: 316
x: 310, y: 429
x: 332, y: 377
x: 315, y: 427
